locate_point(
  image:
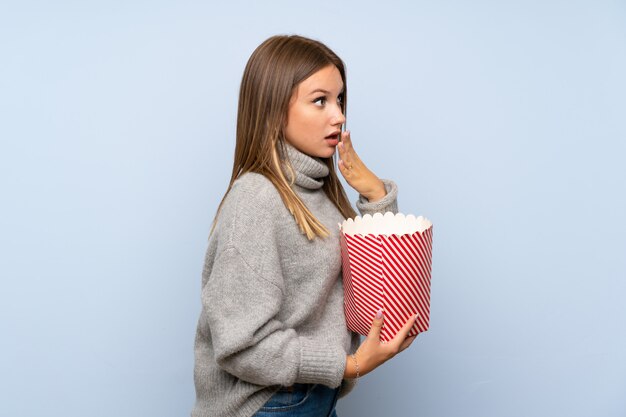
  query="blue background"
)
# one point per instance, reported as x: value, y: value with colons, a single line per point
x: 502, y: 122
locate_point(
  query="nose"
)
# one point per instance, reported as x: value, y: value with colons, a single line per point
x: 338, y: 117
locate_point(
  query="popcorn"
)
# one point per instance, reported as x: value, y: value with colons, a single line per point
x: 386, y: 262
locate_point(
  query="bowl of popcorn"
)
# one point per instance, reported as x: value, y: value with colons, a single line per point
x: 386, y: 264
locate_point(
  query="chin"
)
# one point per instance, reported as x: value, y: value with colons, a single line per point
x: 327, y: 153
x: 318, y: 151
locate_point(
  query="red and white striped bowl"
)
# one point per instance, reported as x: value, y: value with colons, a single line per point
x: 386, y: 262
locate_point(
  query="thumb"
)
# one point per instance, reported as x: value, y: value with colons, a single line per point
x: 377, y: 323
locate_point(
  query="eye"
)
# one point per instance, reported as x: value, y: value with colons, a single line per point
x: 323, y: 98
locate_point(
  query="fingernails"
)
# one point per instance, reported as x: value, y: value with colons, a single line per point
x: 416, y: 316
x: 379, y: 313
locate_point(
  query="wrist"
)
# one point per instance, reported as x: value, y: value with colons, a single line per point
x: 349, y: 372
x: 356, y: 365
x: 377, y: 193
x: 352, y: 370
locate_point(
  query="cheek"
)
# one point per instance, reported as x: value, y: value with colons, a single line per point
x: 305, y: 123
x: 312, y: 121
x: 301, y: 124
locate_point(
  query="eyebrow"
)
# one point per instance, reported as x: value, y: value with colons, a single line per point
x: 321, y: 90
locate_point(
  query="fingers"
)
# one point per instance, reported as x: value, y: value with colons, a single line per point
x: 377, y: 324
x: 407, y: 342
x: 343, y: 169
x: 345, y: 152
x: 345, y: 145
x: 346, y: 140
x: 373, y: 353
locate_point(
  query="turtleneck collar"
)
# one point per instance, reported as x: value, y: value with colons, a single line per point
x: 310, y: 171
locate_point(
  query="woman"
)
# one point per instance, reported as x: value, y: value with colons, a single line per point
x: 272, y: 337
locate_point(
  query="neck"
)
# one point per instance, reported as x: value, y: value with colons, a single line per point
x: 310, y: 171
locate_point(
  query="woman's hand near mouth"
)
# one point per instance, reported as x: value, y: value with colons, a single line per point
x: 358, y: 176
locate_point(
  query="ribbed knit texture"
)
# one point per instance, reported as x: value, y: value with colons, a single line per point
x: 272, y: 301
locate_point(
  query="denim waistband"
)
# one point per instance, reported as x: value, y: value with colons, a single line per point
x: 298, y: 387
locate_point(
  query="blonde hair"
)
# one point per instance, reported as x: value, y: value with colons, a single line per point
x: 271, y: 76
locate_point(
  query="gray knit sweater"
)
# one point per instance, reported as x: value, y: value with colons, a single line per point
x: 272, y: 301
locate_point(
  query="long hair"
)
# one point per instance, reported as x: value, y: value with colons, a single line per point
x: 271, y: 76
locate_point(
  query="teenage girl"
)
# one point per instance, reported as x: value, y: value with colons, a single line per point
x: 272, y: 338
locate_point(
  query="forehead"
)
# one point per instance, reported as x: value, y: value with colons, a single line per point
x: 328, y: 78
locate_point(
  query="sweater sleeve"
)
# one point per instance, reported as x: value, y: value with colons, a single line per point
x: 249, y: 341
x: 388, y: 203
